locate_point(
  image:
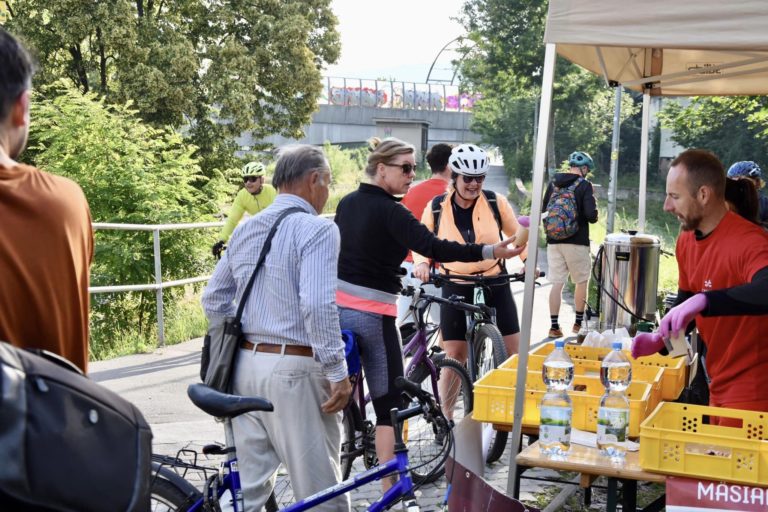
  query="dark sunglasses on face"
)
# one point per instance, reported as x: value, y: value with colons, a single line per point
x: 407, y: 168
x: 470, y: 179
x: 251, y: 179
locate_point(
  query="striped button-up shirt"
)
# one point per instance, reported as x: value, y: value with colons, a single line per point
x: 293, y: 299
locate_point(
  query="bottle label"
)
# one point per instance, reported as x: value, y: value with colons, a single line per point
x: 612, y: 425
x: 555, y: 425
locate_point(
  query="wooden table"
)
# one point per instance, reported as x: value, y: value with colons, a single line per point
x: 590, y: 465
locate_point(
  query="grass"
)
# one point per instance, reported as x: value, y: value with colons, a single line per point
x: 184, y: 320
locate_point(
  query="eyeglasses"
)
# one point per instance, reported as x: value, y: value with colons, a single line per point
x: 251, y: 179
x: 470, y: 179
x: 407, y: 168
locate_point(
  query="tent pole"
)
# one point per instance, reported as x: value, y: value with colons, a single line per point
x: 530, y: 265
x: 644, y: 159
x: 614, y: 162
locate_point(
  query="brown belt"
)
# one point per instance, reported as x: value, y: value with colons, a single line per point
x: 290, y: 350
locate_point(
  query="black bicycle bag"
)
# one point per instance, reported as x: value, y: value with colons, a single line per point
x: 66, y: 442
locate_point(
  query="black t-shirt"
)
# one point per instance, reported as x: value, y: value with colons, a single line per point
x: 463, y: 220
x: 376, y: 234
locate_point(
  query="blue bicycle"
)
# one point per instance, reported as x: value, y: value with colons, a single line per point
x: 171, y: 491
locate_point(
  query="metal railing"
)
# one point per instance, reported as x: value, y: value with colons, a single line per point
x: 159, y: 285
x: 360, y: 92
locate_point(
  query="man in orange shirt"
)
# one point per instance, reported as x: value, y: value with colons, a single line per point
x: 416, y: 199
x: 46, y: 239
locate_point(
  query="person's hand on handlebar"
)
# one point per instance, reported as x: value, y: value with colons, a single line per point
x: 506, y: 249
x: 217, y: 249
x: 536, y: 274
x: 339, y: 398
x: 421, y: 272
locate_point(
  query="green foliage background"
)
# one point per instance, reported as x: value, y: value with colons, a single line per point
x: 215, y: 69
x: 130, y: 173
x: 503, y: 57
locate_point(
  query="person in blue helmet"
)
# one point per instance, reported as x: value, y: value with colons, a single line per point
x: 568, y: 240
x: 750, y: 170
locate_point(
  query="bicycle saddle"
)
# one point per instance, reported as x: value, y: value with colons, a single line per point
x: 223, y: 405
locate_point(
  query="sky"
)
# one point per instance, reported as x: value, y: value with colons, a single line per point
x: 396, y: 39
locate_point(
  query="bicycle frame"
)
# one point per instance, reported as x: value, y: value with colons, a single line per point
x: 403, y: 488
x: 419, y: 348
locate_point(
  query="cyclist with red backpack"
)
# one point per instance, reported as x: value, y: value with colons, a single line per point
x: 567, y: 210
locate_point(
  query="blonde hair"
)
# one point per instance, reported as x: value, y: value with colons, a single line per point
x: 382, y: 152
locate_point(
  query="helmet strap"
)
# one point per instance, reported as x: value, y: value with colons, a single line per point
x: 456, y: 189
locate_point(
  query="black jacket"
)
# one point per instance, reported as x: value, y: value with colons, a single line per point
x: 585, y: 202
x: 376, y: 233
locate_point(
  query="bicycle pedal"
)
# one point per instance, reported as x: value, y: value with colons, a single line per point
x: 216, y: 449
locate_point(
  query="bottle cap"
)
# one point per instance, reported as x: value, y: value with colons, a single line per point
x: 559, y: 343
x: 617, y: 345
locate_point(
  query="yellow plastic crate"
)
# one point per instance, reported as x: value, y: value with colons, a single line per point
x: 674, y: 439
x: 495, y: 400
x: 675, y: 369
x: 652, y: 375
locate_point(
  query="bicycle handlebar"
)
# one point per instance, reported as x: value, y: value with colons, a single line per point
x: 452, y: 301
x: 440, y: 279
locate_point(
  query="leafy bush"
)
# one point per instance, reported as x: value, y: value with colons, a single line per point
x: 130, y: 173
x: 348, y: 167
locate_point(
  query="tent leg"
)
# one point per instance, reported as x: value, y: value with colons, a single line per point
x: 614, y: 162
x: 644, y: 160
x: 530, y: 264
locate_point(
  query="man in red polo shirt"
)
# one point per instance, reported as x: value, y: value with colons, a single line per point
x: 418, y: 198
x: 723, y: 283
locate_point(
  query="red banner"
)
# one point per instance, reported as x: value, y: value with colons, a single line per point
x: 689, y: 495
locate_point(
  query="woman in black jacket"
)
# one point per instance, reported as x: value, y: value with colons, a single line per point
x: 376, y: 234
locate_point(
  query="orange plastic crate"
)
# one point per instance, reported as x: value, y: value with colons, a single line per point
x: 674, y: 439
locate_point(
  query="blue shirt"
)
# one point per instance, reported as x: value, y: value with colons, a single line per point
x: 293, y: 299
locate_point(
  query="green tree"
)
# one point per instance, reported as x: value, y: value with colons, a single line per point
x: 734, y: 128
x: 217, y: 69
x: 505, y: 65
x: 130, y: 173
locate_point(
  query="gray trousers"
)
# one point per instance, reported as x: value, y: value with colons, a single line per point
x: 297, y: 434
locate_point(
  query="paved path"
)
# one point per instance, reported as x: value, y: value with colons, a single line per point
x: 157, y: 384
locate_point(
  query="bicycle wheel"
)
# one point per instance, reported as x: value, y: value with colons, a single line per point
x: 167, y: 496
x: 490, y: 352
x: 351, y: 440
x: 426, y: 437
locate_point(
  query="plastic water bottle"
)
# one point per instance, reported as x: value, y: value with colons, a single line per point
x: 556, y: 408
x: 613, y: 415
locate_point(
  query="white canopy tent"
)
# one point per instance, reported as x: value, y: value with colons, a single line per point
x: 659, y: 47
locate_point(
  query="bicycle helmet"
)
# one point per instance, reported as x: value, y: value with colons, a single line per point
x: 253, y: 169
x: 745, y: 168
x: 579, y: 159
x: 469, y: 160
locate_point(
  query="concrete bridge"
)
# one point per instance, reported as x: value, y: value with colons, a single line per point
x: 350, y: 111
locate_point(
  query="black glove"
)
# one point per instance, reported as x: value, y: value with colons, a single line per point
x: 217, y: 248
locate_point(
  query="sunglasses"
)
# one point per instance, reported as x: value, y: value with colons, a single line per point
x: 407, y: 168
x: 251, y: 179
x: 470, y: 179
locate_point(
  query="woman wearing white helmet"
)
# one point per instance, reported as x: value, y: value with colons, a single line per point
x: 254, y: 197
x: 376, y: 234
x: 470, y: 214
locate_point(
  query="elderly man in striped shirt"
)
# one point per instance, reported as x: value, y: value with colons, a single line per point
x: 293, y: 354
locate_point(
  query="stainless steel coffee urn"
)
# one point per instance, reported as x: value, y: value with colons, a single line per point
x: 629, y: 279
